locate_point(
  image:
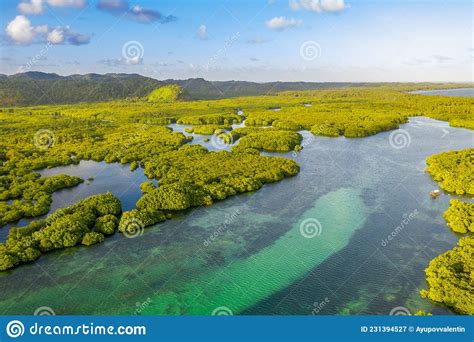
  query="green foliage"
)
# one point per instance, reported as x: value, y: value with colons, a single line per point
x: 423, y: 313
x: 33, y: 88
x: 133, y: 131
x: 91, y: 238
x: 214, y: 119
x: 146, y: 187
x: 450, y: 278
x: 193, y: 176
x: 106, y: 224
x: 454, y: 170
x: 208, y: 129
x: 134, y: 221
x: 64, y: 228
x: 460, y: 216
x: 270, y: 140
x: 169, y: 93
x: 31, y: 194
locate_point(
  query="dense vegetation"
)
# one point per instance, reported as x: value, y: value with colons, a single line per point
x: 38, y: 88
x: 454, y: 170
x: 269, y: 140
x: 207, y: 129
x: 450, y: 278
x: 193, y: 176
x: 134, y: 132
x: 460, y: 216
x: 34, y: 88
x: 84, y: 222
x: 169, y: 93
x: 29, y: 194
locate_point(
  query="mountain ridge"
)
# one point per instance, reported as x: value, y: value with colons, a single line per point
x: 40, y: 88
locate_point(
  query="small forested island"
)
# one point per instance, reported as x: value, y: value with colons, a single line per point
x: 460, y: 216
x: 449, y: 278
x: 85, y: 222
x: 454, y: 170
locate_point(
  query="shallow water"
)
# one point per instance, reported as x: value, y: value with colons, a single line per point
x: 462, y: 92
x: 311, y: 244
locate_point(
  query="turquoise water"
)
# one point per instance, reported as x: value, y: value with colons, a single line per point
x: 350, y: 195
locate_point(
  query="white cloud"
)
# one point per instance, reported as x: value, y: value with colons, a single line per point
x: 20, y: 30
x: 41, y: 29
x: 56, y: 36
x: 202, y: 32
x: 67, y: 3
x: 31, y: 7
x: 281, y: 23
x: 35, y: 7
x: 318, y: 5
x: 136, y: 60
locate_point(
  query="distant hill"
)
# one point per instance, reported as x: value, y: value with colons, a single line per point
x: 37, y: 88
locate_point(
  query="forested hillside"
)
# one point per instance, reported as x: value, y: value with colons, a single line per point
x: 38, y: 88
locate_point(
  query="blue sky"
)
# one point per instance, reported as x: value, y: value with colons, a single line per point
x: 259, y: 40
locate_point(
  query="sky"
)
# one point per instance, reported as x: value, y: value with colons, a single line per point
x: 254, y: 40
